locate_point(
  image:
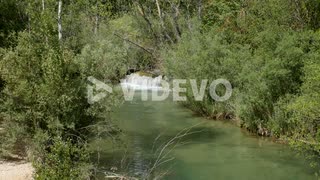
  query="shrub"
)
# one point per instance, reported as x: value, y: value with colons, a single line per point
x: 62, y: 159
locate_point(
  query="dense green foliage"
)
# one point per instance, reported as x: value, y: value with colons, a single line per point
x: 44, y: 108
x: 65, y: 160
x: 270, y: 55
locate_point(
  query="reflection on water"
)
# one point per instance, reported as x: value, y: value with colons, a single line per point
x: 216, y: 150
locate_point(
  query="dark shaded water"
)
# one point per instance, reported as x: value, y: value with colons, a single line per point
x: 216, y: 150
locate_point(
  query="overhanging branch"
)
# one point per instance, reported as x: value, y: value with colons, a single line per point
x: 134, y: 43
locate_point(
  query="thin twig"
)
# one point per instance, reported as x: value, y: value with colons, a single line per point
x: 134, y: 43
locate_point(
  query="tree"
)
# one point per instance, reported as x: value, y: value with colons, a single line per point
x: 59, y: 20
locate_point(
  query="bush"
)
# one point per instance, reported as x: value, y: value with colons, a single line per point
x: 116, y: 50
x: 262, y: 73
x: 206, y: 56
x: 302, y: 113
x: 62, y: 159
x: 45, y: 92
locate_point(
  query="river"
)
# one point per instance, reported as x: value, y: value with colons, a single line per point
x: 212, y: 150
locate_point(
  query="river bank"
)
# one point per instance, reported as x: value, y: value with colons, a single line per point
x: 236, y: 121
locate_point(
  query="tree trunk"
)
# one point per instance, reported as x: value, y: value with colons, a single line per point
x: 199, y: 9
x: 59, y: 20
x: 189, y: 19
x: 96, y: 26
x: 143, y: 14
x: 159, y: 12
x: 43, y: 7
x: 175, y: 24
x: 162, y: 23
x: 29, y: 21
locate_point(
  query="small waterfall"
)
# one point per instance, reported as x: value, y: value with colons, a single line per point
x: 138, y: 82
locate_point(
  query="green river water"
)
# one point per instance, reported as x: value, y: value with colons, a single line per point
x: 215, y: 149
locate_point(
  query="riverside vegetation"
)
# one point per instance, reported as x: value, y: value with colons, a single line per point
x: 268, y: 50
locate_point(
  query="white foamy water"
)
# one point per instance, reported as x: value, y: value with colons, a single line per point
x: 137, y: 82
